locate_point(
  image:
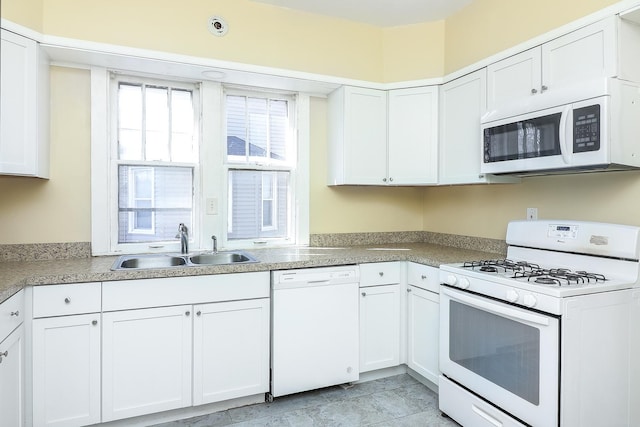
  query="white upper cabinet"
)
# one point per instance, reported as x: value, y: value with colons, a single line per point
x: 413, y: 136
x: 381, y: 137
x: 357, y: 136
x: 515, y: 77
x: 602, y: 49
x: 462, y: 102
x: 24, y: 113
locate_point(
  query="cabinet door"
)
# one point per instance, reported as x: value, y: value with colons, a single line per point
x: 12, y: 379
x: 423, y: 322
x: 146, y: 362
x: 462, y: 103
x: 413, y: 136
x: 23, y: 116
x: 357, y: 136
x: 514, y: 78
x: 379, y: 327
x: 66, y: 370
x: 230, y: 350
x: 580, y: 56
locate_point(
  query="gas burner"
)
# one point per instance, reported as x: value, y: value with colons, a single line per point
x: 489, y: 269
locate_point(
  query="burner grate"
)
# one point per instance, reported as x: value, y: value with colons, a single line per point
x: 532, y: 272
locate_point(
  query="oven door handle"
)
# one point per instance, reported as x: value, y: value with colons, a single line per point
x: 500, y: 310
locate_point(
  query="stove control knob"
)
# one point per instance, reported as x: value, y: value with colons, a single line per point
x: 464, y: 283
x: 530, y: 300
x: 512, y: 295
x: 451, y: 280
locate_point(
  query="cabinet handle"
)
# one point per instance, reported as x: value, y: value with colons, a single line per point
x: 15, y: 313
x: 5, y: 354
x: 384, y: 179
x: 423, y: 277
x: 364, y: 294
x: 67, y: 300
x: 534, y: 91
x: 94, y: 322
x: 198, y: 313
x: 408, y: 290
x: 187, y: 313
x: 381, y: 273
x: 543, y: 88
x: 390, y: 179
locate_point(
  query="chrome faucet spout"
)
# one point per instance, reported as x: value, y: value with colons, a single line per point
x: 215, y: 244
x: 183, y: 235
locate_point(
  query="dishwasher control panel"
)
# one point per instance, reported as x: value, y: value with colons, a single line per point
x: 316, y: 276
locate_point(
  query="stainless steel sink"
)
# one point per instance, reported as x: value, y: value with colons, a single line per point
x: 130, y: 262
x: 221, y: 258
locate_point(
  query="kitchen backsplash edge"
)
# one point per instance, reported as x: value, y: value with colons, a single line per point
x: 52, y: 251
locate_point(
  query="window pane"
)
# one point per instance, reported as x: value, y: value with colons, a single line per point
x: 236, y: 125
x: 278, y: 127
x: 170, y: 202
x: 130, y: 122
x: 257, y: 112
x: 182, y: 136
x: 252, y: 216
x: 157, y: 124
x: 258, y: 128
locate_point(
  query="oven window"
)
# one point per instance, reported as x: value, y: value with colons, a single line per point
x: 532, y: 138
x: 499, y: 349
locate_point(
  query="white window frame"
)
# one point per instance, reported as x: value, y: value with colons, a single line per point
x: 210, y: 177
x: 104, y: 168
x: 274, y: 201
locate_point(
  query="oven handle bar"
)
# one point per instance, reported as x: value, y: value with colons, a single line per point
x: 500, y: 310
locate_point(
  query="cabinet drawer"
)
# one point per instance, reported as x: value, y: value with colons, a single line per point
x: 379, y: 273
x: 61, y: 300
x: 423, y: 276
x: 11, y: 314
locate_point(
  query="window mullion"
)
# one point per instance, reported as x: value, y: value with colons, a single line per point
x: 143, y: 125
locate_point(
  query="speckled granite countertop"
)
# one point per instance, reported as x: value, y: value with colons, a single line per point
x: 15, y: 275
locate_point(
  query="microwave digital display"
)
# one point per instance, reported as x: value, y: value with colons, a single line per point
x: 586, y: 129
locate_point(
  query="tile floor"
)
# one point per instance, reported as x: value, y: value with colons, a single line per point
x: 394, y: 401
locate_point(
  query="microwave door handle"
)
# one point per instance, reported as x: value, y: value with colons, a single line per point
x: 499, y: 310
x: 564, y: 134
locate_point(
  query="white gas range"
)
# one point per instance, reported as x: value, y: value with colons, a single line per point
x: 545, y: 336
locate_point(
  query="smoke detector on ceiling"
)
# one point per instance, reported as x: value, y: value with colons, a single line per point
x: 217, y: 26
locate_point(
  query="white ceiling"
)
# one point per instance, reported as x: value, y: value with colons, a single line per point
x: 381, y: 13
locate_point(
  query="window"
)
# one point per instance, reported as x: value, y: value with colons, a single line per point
x: 171, y: 152
x: 261, y: 160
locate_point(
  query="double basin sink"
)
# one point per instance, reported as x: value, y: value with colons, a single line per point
x: 131, y: 262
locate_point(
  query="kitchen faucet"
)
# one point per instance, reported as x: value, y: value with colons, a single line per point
x: 215, y: 244
x: 183, y: 235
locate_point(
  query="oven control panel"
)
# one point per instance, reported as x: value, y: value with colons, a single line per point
x: 557, y: 231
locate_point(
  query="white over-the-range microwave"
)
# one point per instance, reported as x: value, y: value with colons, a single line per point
x: 588, y: 127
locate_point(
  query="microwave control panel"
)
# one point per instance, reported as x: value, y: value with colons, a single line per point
x: 586, y: 129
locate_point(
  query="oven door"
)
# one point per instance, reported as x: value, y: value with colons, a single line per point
x: 505, y: 354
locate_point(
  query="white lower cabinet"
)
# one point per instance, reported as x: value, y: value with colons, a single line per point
x: 423, y: 309
x: 146, y: 365
x: 230, y: 350
x: 66, y: 370
x: 379, y: 327
x: 12, y: 379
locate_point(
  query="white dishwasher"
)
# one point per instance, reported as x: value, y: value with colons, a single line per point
x: 315, y: 321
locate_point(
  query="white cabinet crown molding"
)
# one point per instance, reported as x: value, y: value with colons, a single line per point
x: 79, y: 53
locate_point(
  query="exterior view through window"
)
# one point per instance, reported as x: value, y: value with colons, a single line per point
x: 260, y: 159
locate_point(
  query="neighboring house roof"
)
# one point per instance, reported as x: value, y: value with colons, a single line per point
x: 237, y: 147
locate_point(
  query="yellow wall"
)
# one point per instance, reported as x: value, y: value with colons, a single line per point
x: 486, y: 27
x: 58, y: 210
x: 25, y: 12
x: 55, y: 210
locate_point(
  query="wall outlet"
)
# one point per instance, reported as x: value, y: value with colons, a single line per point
x: 532, y: 214
x: 211, y: 206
